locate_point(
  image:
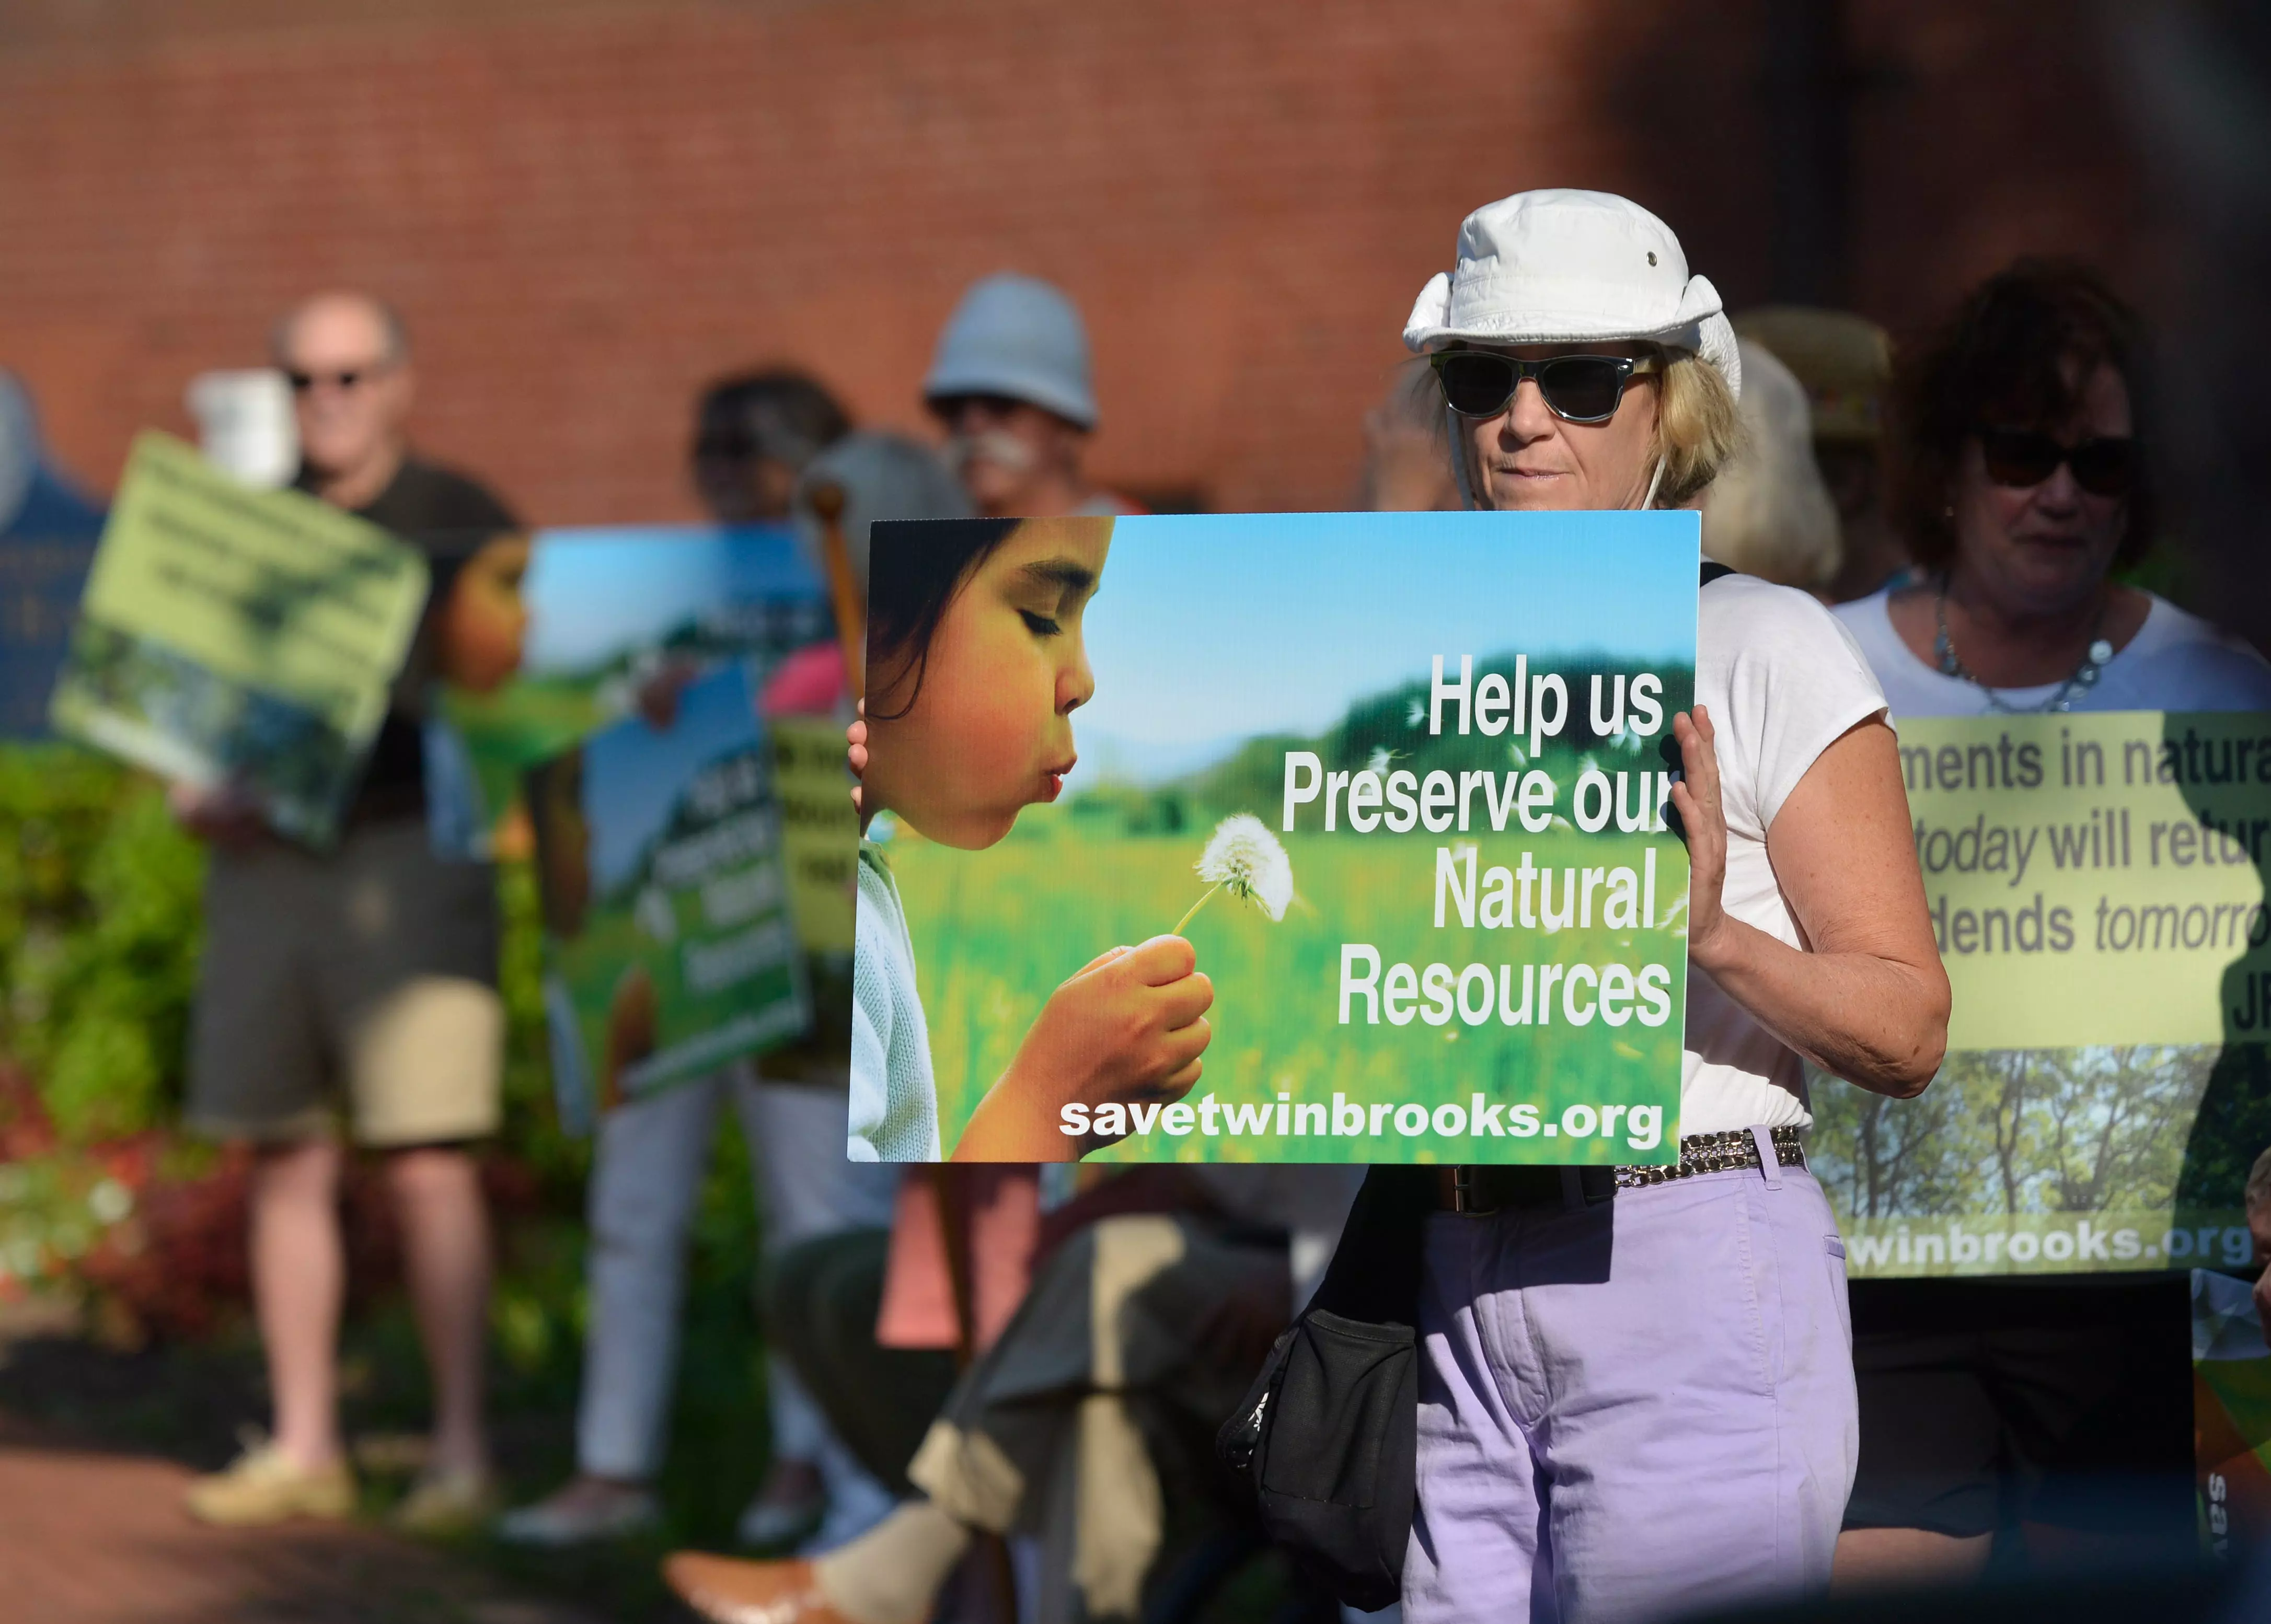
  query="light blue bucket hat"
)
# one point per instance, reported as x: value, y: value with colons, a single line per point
x: 1019, y: 337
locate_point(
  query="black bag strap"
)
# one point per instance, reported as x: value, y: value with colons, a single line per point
x: 1712, y: 570
x: 1375, y: 1274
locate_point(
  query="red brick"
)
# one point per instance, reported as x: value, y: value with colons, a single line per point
x: 587, y: 209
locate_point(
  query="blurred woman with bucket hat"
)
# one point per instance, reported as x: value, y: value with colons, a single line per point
x: 1635, y: 1386
x: 1009, y: 382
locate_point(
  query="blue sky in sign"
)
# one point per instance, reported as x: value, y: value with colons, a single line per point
x: 1213, y: 629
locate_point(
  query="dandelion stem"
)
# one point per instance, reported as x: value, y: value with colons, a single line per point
x: 1194, y: 913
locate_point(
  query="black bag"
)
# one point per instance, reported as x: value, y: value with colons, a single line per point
x: 1327, y: 1439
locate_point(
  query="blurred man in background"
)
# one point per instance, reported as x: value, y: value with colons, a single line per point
x: 1010, y: 383
x: 1845, y: 362
x: 368, y: 970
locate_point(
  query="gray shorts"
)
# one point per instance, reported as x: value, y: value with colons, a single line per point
x: 367, y: 975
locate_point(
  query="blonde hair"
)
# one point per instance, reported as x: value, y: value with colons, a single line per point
x: 1698, y: 427
x: 1769, y: 514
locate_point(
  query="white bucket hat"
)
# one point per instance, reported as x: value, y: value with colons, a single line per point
x: 1562, y: 267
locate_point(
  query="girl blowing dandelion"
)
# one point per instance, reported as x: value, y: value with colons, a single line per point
x: 975, y: 666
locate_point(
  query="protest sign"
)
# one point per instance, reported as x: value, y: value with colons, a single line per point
x: 2097, y: 888
x: 545, y: 639
x: 820, y: 832
x: 1408, y: 768
x: 240, y: 636
x: 669, y: 946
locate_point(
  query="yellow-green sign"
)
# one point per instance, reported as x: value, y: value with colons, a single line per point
x: 2097, y: 886
x: 820, y: 830
x: 2096, y: 879
x: 230, y: 635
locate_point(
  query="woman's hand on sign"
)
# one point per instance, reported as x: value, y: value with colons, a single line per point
x: 855, y: 738
x: 221, y: 815
x: 1128, y: 1029
x: 1704, y: 823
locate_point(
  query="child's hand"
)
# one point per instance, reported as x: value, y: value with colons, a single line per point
x: 1130, y: 1027
x: 856, y: 737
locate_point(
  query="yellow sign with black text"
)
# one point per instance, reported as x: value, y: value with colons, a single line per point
x: 2096, y: 878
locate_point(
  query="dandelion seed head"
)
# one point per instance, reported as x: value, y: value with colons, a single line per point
x: 1378, y: 760
x: 1246, y: 859
x: 1414, y: 713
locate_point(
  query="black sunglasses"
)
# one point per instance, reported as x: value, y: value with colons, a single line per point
x: 947, y: 408
x: 2027, y: 457
x: 347, y: 378
x: 1578, y: 388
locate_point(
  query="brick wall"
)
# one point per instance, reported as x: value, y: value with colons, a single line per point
x: 587, y: 207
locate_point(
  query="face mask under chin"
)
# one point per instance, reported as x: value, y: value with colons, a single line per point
x: 997, y: 446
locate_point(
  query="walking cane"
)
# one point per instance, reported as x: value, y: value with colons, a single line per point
x: 827, y: 499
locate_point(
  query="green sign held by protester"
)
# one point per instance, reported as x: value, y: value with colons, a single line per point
x: 1372, y: 807
x: 231, y: 635
x: 671, y: 946
x: 547, y: 638
x: 2097, y: 886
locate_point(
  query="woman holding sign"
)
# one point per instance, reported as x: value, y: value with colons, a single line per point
x: 2027, y: 483
x: 1609, y: 1355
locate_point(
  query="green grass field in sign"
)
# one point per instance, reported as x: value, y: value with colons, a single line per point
x: 991, y: 951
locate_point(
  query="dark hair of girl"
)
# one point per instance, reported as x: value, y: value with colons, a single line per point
x: 2017, y: 354
x: 914, y: 570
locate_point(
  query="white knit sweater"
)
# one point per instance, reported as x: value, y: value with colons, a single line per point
x: 894, y: 1096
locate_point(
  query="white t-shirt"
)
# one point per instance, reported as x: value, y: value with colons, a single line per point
x: 1783, y: 681
x: 2176, y: 662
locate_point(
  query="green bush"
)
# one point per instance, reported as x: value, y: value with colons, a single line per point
x: 100, y: 924
x: 99, y: 929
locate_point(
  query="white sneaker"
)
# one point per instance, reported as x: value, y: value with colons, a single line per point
x: 576, y: 1516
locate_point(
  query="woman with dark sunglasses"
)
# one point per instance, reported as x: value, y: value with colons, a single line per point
x: 2024, y: 484
x: 2026, y: 481
x: 1636, y: 1397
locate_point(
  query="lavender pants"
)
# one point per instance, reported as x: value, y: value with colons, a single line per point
x: 1631, y: 1411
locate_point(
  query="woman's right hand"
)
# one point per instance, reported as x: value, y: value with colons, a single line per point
x: 1129, y: 1028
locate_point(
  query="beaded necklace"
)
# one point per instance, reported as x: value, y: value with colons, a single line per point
x: 2084, y: 677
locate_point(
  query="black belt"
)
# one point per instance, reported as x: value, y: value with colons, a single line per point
x: 1480, y: 1190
